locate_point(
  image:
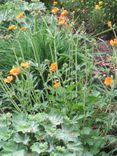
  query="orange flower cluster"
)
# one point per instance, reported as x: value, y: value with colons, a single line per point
x: 23, y: 28
x: 55, y: 10
x: 62, y: 16
x: 64, y: 13
x: 56, y: 84
x: 20, y: 15
x: 55, y: 3
x: 62, y: 21
x: 8, y: 79
x: 108, y: 81
x: 15, y: 71
x: 113, y: 42
x: 13, y: 27
x: 53, y: 67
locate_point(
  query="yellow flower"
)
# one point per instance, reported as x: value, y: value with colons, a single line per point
x: 23, y: 28
x: 55, y: 3
x: 57, y: 84
x: 15, y: 71
x: 108, y: 81
x: 9, y: 79
x: 25, y: 65
x: 12, y: 27
x: 55, y: 10
x: 109, y: 23
x: 64, y: 13
x: 53, y: 67
x: 97, y: 7
x: 20, y: 15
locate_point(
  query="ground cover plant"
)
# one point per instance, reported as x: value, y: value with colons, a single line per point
x: 58, y: 80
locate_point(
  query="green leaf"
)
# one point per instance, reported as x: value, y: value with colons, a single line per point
x: 61, y: 91
x: 22, y: 124
x: 39, y: 147
x: 86, y: 131
x: 19, y: 153
x: 66, y: 134
x: 40, y: 117
x: 10, y: 146
x: 96, y: 93
x: 88, y: 154
x: 55, y: 119
x: 16, y: 153
x: 5, y: 133
x: 21, y: 138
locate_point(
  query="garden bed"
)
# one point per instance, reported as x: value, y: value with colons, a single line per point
x: 58, y: 78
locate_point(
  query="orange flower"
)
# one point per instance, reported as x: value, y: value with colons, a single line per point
x: 113, y: 42
x: 23, y: 28
x: 64, y: 13
x: 20, y: 15
x: 55, y: 10
x: 9, y: 79
x: 108, y: 81
x: 53, y: 67
x: 15, y: 71
x: 62, y: 21
x: 25, y: 65
x: 12, y: 27
x: 109, y: 23
x: 57, y: 84
x: 55, y: 3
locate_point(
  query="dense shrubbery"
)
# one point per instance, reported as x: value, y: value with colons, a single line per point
x: 58, y: 84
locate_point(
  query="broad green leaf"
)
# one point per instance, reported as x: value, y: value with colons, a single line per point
x: 10, y: 146
x: 21, y: 138
x: 55, y: 119
x: 66, y: 134
x: 39, y: 147
x: 86, y: 130
x: 19, y: 153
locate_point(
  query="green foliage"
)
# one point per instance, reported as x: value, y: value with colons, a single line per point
x: 42, y: 138
x: 67, y: 120
x: 85, y: 10
x: 69, y: 111
x: 47, y: 134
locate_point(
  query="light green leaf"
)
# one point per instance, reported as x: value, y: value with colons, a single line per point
x: 39, y: 147
x: 21, y: 138
x: 55, y: 119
